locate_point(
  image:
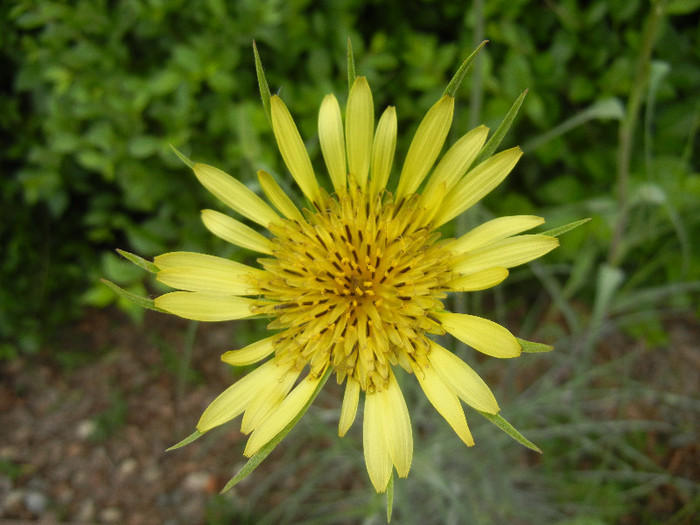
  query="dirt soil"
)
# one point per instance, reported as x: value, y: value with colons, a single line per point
x: 84, y: 438
x: 83, y: 433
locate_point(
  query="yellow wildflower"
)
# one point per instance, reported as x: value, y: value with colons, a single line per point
x: 354, y: 281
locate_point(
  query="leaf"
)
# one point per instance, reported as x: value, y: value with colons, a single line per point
x: 390, y: 497
x: 509, y: 429
x: 139, y: 261
x: 351, y: 65
x: 556, y: 232
x: 454, y: 84
x: 262, y: 83
x: 182, y: 157
x: 189, y: 439
x: 501, y: 131
x: 534, y: 348
x: 144, y: 302
x: 265, y: 450
x: 609, y: 108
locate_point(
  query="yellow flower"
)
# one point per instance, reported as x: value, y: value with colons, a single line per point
x: 354, y: 281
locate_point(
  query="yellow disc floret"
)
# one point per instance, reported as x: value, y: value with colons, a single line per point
x: 354, y: 286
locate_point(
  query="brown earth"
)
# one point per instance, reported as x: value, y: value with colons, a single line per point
x: 83, y: 432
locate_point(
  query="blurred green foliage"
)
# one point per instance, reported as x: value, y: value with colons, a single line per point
x: 97, y: 90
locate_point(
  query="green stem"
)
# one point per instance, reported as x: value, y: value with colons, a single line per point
x: 628, y: 124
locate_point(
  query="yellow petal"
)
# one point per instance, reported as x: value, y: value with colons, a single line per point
x: 278, y: 197
x: 293, y: 150
x: 235, y: 232
x: 197, y: 272
x: 234, y: 400
x: 200, y: 306
x: 444, y: 400
x: 330, y: 135
x: 507, y: 253
x: 477, y: 183
x: 359, y: 129
x: 479, y: 280
x: 235, y: 194
x: 282, y: 415
x: 481, y: 334
x: 493, y: 231
x: 349, y: 409
x: 383, y: 150
x: 461, y: 379
x: 250, y: 354
x: 376, y: 451
x: 268, y: 400
x: 455, y: 163
x: 425, y: 146
x: 397, y: 427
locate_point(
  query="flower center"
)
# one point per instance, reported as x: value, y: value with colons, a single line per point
x: 353, y: 286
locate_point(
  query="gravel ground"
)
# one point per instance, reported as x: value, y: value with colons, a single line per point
x: 87, y: 445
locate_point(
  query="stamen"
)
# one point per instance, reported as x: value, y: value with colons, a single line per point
x: 353, y: 286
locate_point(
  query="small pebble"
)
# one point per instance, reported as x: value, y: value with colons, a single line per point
x: 85, y: 429
x: 111, y: 515
x: 196, y: 481
x: 36, y: 502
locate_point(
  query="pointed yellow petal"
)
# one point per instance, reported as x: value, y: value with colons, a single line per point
x: 234, y: 400
x: 268, y: 400
x: 235, y: 232
x: 278, y: 197
x: 293, y: 150
x: 197, y: 272
x: 481, y: 334
x: 477, y: 183
x: 359, y: 129
x: 200, y: 306
x: 397, y: 427
x: 425, y: 146
x: 444, y: 400
x: 250, y: 354
x: 330, y: 135
x: 493, y: 231
x: 235, y: 194
x: 455, y: 163
x: 375, y: 446
x: 479, y: 280
x: 282, y: 415
x: 349, y: 410
x: 383, y: 150
x: 507, y: 253
x: 461, y: 379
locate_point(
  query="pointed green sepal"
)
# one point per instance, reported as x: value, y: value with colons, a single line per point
x: 556, y: 232
x: 182, y: 157
x: 351, y: 65
x: 262, y: 83
x: 189, y: 439
x: 454, y: 84
x: 266, y: 449
x: 534, y: 348
x: 390, y: 497
x: 495, y: 139
x: 509, y: 429
x: 144, y: 302
x: 138, y: 261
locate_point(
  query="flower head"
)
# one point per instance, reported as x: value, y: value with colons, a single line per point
x: 354, y: 281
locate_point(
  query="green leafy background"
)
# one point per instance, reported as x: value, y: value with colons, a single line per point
x: 93, y: 92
